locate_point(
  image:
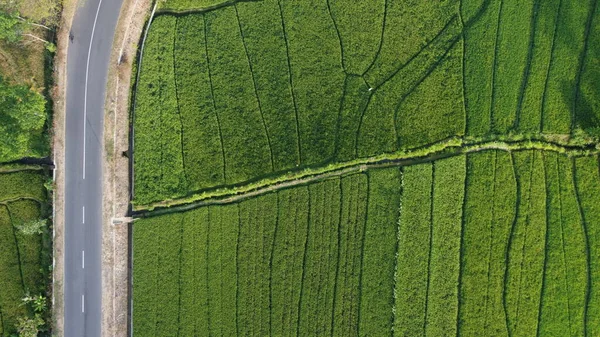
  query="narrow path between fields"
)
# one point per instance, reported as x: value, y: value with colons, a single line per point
x: 448, y: 148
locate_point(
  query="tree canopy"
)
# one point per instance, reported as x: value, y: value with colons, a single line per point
x: 10, y: 29
x: 22, y: 119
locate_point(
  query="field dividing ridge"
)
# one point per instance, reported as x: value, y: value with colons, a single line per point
x: 448, y: 148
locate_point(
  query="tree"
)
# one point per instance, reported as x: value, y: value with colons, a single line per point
x: 13, y: 28
x: 22, y: 118
x: 9, y: 28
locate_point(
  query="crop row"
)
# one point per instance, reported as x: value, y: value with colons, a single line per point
x: 262, y: 87
x: 492, y: 243
x: 235, y: 93
x: 20, y: 255
x: 524, y: 64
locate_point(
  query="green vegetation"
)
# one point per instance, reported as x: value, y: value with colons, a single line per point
x: 25, y: 28
x: 23, y: 116
x: 263, y: 88
x: 368, y: 168
x: 525, y: 252
x: 565, y: 278
x: 379, y: 246
x: 422, y: 250
x: 24, y: 254
x: 414, y: 247
x: 162, y: 165
x: 182, y: 5
x: 490, y: 202
x: 444, y: 262
x: 587, y: 177
x: 199, y: 122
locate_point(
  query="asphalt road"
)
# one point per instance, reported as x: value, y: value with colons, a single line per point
x: 89, y: 51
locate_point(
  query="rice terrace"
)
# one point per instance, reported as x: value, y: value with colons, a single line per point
x: 367, y: 168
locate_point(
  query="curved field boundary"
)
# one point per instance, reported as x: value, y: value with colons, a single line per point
x: 18, y: 168
x: 5, y: 202
x: 170, y: 11
x: 450, y: 147
x: 138, y: 70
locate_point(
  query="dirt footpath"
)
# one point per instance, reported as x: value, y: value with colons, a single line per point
x: 115, y: 269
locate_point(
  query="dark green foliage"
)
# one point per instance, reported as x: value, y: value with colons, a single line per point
x: 510, y: 61
x: 491, y: 243
x: 567, y: 48
x: 478, y: 62
x: 422, y: 119
x: 356, y: 98
x: 526, y: 248
x: 587, y: 110
x: 380, y: 244
x: 544, y: 21
x: 409, y: 28
x: 378, y: 125
x: 22, y: 119
x: 290, y: 84
x: 9, y: 27
x: 413, y: 257
x: 11, y: 284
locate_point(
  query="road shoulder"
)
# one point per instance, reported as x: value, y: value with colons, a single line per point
x: 115, y: 237
x: 59, y: 94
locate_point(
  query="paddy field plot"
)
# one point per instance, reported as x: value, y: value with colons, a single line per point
x: 23, y: 199
x: 232, y: 92
x: 492, y: 243
x: 275, y: 128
